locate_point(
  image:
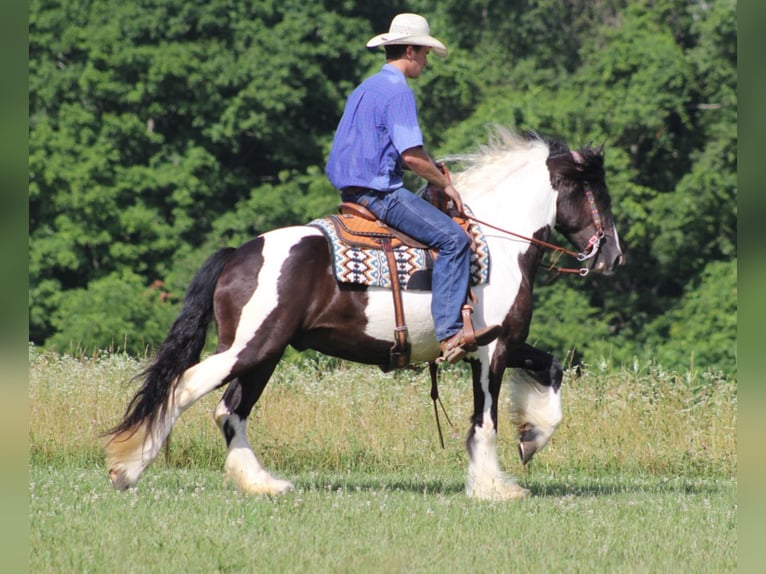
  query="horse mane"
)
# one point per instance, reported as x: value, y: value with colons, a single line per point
x: 506, y: 152
x: 503, y: 144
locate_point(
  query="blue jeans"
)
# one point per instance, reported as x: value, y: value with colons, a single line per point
x: 410, y: 214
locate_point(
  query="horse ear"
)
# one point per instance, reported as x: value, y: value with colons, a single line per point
x: 600, y: 149
x: 577, y: 157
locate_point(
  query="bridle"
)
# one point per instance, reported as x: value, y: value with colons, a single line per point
x: 594, y: 243
x: 592, y: 247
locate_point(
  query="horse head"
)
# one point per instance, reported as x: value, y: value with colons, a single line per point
x: 583, y: 206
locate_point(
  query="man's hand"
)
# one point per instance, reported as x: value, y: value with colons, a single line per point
x: 453, y: 194
x: 421, y: 164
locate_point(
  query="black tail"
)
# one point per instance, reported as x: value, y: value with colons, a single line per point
x: 181, y: 348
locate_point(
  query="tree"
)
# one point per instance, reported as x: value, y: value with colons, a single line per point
x: 149, y: 122
x: 114, y: 312
x: 701, y: 331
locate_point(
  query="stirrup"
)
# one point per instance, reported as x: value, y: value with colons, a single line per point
x: 463, y: 344
x: 452, y: 355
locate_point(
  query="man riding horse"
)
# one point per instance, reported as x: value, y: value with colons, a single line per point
x: 377, y: 137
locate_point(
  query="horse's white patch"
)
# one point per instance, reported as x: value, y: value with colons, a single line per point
x: 276, y: 248
x: 512, y: 192
x: 417, y: 317
x: 205, y: 376
x: 534, y: 405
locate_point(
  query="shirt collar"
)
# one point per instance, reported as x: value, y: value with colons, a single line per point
x: 393, y: 69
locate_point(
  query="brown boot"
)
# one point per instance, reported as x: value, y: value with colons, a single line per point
x: 455, y: 347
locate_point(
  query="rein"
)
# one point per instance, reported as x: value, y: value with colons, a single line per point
x: 557, y: 249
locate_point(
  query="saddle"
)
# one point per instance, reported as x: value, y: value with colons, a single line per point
x: 358, y: 227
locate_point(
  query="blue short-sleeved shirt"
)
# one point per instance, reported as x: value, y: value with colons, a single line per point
x: 380, y: 122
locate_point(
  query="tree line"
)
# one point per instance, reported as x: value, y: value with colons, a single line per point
x: 160, y: 130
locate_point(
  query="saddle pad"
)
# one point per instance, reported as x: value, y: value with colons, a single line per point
x: 368, y: 265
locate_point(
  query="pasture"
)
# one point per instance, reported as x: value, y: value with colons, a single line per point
x: 640, y: 477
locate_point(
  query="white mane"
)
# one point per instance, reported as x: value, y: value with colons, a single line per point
x: 507, y: 182
x: 505, y: 155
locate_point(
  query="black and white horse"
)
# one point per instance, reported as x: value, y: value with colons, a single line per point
x: 279, y: 289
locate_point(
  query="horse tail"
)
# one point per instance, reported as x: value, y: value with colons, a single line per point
x: 180, y: 350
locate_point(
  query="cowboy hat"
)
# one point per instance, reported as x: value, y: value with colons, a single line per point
x: 409, y: 29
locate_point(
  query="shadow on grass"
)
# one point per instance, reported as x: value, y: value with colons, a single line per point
x: 377, y: 483
x: 544, y: 488
x: 627, y: 485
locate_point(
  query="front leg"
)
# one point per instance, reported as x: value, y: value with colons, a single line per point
x: 485, y: 478
x: 535, y: 398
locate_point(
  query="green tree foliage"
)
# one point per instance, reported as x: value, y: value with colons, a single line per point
x: 677, y: 337
x: 161, y: 129
x: 149, y: 120
x: 113, y: 312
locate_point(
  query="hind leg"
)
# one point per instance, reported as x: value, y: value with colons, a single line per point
x: 242, y: 466
x: 131, y: 452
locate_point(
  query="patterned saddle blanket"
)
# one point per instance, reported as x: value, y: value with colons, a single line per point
x: 358, y: 256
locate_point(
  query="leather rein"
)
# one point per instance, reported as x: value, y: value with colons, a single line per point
x: 591, y: 249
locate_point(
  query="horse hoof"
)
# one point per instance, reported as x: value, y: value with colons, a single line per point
x: 526, y: 451
x: 503, y: 490
x: 516, y: 493
x: 510, y: 491
x: 269, y: 486
x: 277, y: 488
x: 283, y: 487
x: 119, y: 479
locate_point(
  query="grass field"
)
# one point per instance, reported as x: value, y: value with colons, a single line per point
x: 640, y: 477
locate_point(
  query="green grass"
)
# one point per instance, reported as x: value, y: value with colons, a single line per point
x: 640, y: 477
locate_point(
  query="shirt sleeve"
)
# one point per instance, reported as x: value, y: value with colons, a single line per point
x: 402, y: 122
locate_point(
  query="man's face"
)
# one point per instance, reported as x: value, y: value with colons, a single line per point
x: 417, y: 57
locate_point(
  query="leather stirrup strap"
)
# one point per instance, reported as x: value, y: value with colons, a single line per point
x: 469, y: 337
x: 400, y: 352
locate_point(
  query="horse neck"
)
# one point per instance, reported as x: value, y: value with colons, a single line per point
x: 516, y: 196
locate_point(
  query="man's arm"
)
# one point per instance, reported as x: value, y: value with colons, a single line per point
x: 421, y: 164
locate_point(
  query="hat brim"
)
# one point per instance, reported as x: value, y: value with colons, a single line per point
x: 389, y: 39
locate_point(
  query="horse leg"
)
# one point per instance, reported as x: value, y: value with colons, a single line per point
x: 242, y: 466
x: 485, y: 478
x: 130, y: 452
x: 535, y: 398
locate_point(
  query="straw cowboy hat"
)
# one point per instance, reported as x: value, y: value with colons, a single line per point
x: 409, y: 29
